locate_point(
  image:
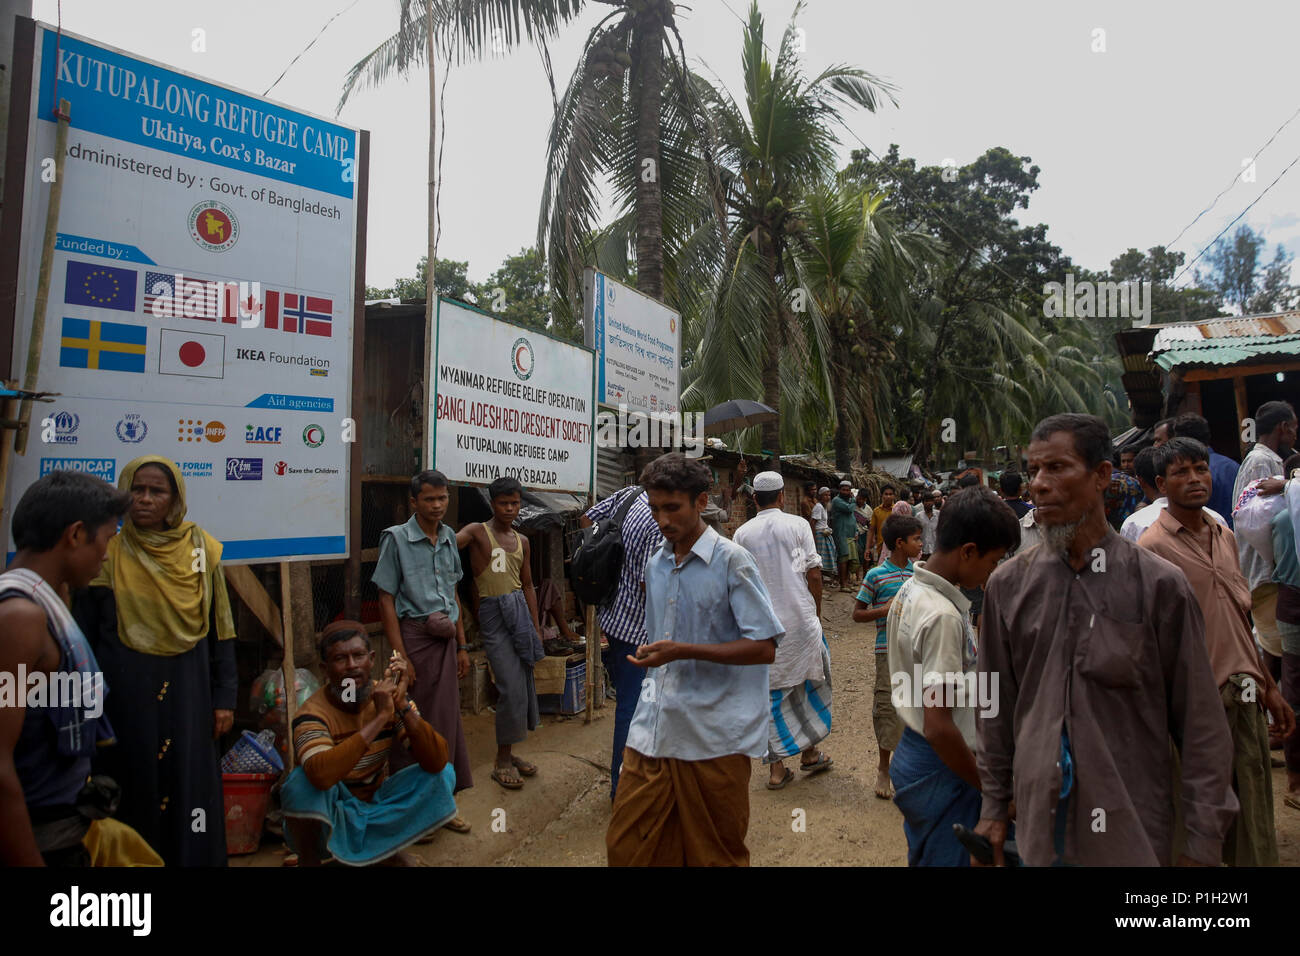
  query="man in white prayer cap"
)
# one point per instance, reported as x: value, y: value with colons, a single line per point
x: 788, y: 562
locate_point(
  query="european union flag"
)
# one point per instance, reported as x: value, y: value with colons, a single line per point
x: 103, y: 287
x: 111, y: 346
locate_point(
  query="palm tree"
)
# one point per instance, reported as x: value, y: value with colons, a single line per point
x: 629, y: 118
x: 460, y: 29
x: 855, y: 269
x: 769, y: 152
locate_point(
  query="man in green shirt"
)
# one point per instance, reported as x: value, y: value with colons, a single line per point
x: 844, y: 526
x: 416, y: 575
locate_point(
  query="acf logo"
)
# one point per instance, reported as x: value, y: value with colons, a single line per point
x: 213, y: 225
x: 313, y: 436
x: 192, y: 429
x: 521, y: 359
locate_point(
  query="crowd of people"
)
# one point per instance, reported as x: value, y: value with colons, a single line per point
x: 1085, y: 666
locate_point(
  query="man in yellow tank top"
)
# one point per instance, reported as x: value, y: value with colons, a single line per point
x: 507, y: 617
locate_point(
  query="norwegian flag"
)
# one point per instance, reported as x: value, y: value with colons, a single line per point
x: 173, y: 295
x: 298, y: 312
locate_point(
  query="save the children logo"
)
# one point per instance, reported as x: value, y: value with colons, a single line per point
x: 521, y: 359
x: 132, y: 428
x: 213, y: 225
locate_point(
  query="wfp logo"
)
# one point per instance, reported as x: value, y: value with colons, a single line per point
x: 132, y: 429
x: 521, y: 359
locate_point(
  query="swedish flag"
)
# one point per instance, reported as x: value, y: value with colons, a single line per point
x: 112, y: 346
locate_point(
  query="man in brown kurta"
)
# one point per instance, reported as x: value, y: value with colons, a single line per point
x: 1206, y: 552
x: 1099, y: 652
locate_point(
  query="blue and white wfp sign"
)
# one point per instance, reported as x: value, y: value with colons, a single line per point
x: 201, y: 297
x: 637, y: 341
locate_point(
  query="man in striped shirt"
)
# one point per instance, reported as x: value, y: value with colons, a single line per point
x: 623, y: 619
x: 340, y: 800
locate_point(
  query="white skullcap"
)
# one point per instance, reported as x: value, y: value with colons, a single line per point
x: 768, y: 481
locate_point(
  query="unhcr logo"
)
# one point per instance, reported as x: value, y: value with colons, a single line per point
x: 1099, y: 300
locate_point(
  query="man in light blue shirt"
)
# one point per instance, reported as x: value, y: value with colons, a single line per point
x: 702, y: 715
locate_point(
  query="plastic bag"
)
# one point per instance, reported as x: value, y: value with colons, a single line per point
x: 1252, y: 520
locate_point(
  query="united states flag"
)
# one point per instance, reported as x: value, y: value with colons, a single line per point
x: 301, y: 313
x: 171, y: 294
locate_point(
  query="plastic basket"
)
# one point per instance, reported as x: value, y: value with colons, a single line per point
x: 246, y: 797
x: 251, y: 755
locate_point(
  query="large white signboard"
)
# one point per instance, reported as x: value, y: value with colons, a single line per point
x: 638, y: 346
x: 201, y: 297
x: 510, y: 402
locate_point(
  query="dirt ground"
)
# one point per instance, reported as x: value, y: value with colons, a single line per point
x: 560, y: 816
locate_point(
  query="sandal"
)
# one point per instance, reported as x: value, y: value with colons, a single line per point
x: 822, y: 762
x: 789, y: 775
x: 1292, y: 800
x: 507, y: 777
x: 524, y: 767
x: 456, y: 824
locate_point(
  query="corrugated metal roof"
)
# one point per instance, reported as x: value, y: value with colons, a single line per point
x: 1227, y: 341
x: 1231, y: 352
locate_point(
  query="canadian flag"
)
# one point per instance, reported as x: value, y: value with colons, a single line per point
x: 191, y: 353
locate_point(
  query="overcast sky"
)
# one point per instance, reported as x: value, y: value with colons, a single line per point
x: 1133, y: 142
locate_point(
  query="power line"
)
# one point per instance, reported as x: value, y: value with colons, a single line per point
x: 309, y: 45
x: 1235, y: 179
x: 1237, y: 219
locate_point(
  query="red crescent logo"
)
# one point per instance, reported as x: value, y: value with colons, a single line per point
x: 518, y: 360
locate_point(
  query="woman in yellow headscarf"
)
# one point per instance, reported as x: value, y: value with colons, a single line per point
x: 158, y: 616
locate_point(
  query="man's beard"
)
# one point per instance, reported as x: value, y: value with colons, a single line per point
x: 1059, y: 537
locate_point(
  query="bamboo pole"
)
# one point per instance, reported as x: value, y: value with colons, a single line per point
x: 36, y: 341
x: 593, y: 646
x: 6, y: 450
x: 290, y: 682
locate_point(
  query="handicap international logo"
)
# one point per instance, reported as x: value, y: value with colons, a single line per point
x: 132, y: 428
x: 194, y: 429
x: 213, y: 225
x: 521, y: 359
x: 65, y: 428
x: 313, y: 436
x: 105, y: 468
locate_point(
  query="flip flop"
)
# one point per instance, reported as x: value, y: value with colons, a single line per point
x: 524, y: 767
x: 823, y: 762
x: 455, y: 825
x: 789, y: 775
x: 509, y: 782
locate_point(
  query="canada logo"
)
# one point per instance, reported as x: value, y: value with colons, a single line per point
x: 521, y: 359
x: 213, y: 225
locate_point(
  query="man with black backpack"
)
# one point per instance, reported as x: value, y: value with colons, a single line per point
x: 622, y: 610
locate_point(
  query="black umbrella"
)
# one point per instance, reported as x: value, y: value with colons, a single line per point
x: 736, y: 414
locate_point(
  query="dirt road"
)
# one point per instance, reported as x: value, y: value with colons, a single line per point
x: 560, y: 816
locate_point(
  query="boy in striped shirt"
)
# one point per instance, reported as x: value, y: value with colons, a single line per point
x: 902, y: 539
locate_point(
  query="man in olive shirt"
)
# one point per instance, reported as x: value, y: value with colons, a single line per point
x: 1206, y: 552
x: 1099, y: 650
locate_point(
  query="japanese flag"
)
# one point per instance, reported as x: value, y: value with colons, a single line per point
x: 192, y: 353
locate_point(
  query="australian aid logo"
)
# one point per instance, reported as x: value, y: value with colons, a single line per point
x: 213, y: 225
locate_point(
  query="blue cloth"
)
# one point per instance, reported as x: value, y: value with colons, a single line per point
x: 1286, y: 568
x: 801, y: 716
x: 627, y: 689
x: 409, y: 804
x: 932, y: 798
x: 624, y: 617
x: 420, y: 577
x: 698, y: 710
x: 1223, y: 475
